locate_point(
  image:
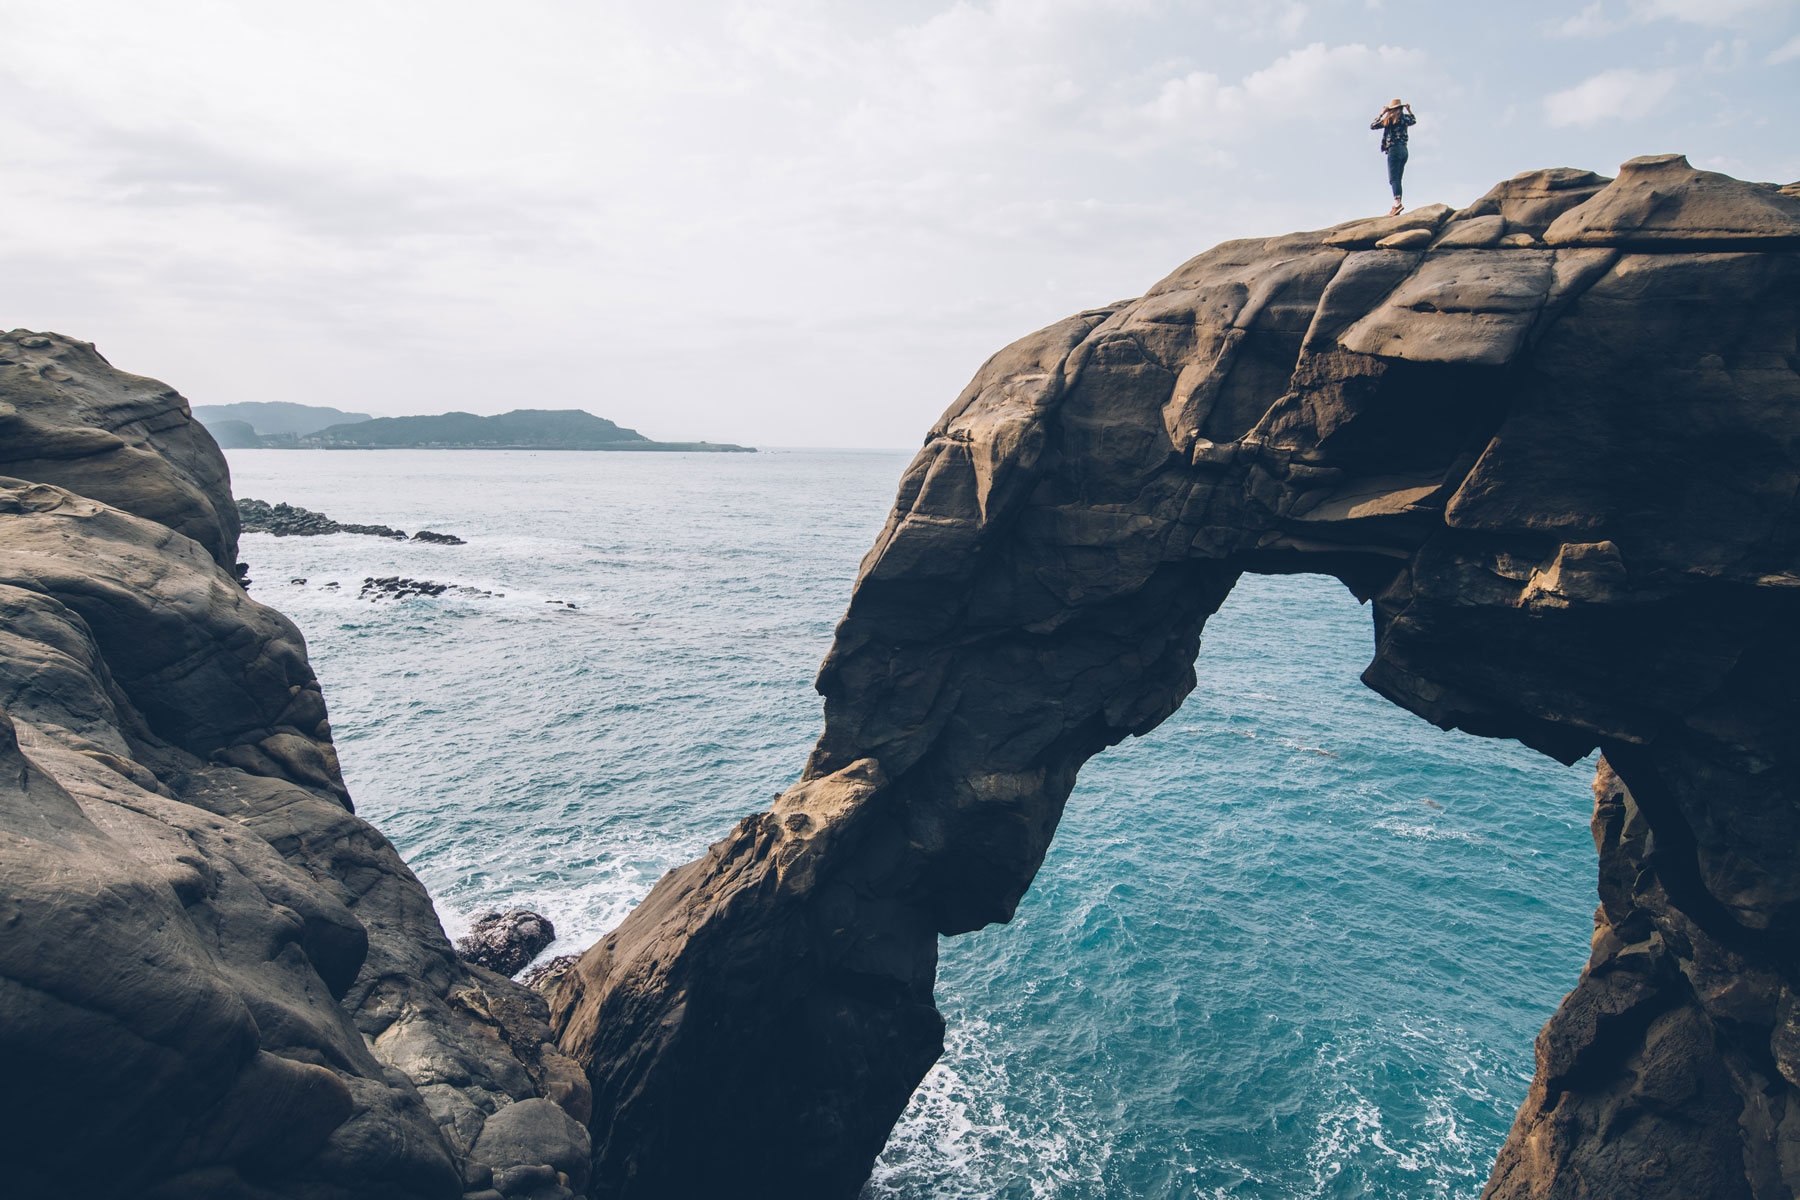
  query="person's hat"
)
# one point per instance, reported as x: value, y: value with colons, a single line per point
x: 1394, y: 103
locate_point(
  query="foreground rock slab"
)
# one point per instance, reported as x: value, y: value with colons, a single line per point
x: 1552, y: 439
x: 216, y: 981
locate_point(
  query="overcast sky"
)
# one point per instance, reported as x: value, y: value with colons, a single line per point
x: 773, y: 223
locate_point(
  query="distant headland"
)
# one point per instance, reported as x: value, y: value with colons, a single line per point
x: 303, y: 426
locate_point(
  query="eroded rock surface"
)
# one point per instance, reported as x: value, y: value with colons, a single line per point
x: 1553, y: 439
x: 70, y: 418
x: 215, y: 980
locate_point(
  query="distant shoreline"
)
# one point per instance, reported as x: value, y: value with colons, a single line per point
x: 305, y: 427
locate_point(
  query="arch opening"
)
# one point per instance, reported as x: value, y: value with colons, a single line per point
x: 1292, y: 935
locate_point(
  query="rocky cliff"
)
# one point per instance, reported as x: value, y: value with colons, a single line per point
x: 215, y: 980
x: 1553, y: 439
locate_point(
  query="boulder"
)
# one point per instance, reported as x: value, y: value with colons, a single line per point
x: 1660, y: 201
x: 1530, y: 201
x: 504, y: 942
x: 1367, y: 234
x: 533, y: 1133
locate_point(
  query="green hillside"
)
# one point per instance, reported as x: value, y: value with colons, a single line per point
x: 525, y: 428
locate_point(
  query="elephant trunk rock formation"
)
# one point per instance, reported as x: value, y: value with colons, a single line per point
x: 1554, y: 438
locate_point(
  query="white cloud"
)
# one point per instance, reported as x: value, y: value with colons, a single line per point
x: 1597, y: 18
x: 1279, y: 20
x: 1702, y: 12
x: 1620, y: 94
x: 1589, y: 22
x: 1787, y: 52
x: 1303, y: 83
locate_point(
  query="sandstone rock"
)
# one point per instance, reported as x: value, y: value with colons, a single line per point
x: 1659, y: 200
x: 1563, y: 476
x: 69, y: 418
x: 1474, y: 233
x: 206, y: 953
x: 543, y: 976
x: 1408, y: 239
x: 532, y: 1132
x: 1366, y: 235
x: 505, y: 942
x: 1530, y: 201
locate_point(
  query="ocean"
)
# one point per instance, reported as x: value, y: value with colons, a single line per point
x: 1296, y: 942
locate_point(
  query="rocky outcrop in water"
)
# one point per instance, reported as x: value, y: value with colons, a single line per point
x: 506, y: 941
x: 1553, y: 439
x: 215, y: 980
x: 397, y: 587
x: 288, y: 520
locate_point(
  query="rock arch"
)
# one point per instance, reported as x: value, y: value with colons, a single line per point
x: 1554, y: 439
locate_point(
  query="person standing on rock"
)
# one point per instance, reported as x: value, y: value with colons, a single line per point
x: 1393, y: 122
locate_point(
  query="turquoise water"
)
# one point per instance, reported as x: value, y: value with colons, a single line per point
x: 1294, y: 943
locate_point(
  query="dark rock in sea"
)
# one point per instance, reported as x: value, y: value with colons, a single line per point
x: 395, y: 587
x: 1553, y: 440
x: 505, y: 941
x: 287, y: 520
x: 215, y: 980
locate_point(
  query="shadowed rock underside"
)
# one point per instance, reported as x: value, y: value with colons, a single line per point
x: 1553, y: 439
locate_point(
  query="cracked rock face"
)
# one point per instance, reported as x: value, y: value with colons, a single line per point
x: 215, y: 980
x: 1553, y: 440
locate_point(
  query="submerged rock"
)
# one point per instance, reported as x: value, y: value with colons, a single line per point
x: 504, y: 942
x: 397, y: 587
x: 1558, y: 455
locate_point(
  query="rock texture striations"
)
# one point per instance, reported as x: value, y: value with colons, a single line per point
x: 1553, y: 439
x: 215, y: 980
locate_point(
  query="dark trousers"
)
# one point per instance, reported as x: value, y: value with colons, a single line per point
x: 1396, y: 166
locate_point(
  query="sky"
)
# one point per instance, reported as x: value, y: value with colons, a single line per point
x: 779, y: 224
